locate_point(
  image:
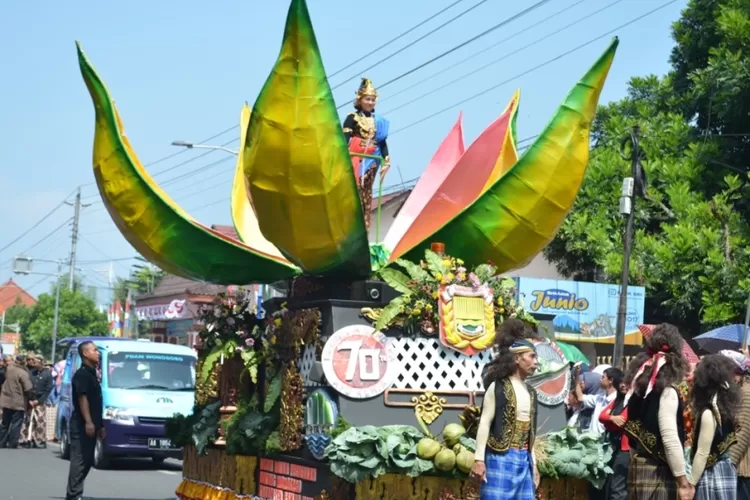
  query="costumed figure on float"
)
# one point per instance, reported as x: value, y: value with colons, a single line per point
x: 504, y: 453
x: 366, y: 133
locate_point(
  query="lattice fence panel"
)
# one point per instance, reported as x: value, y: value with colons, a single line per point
x: 427, y: 365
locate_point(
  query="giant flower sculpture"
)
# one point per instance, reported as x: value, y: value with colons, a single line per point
x: 294, y: 199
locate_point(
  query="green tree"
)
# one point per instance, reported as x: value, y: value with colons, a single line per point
x: 15, y: 314
x: 78, y: 317
x: 710, y: 81
x: 690, y: 247
x: 142, y: 280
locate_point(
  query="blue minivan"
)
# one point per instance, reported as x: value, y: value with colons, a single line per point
x: 143, y: 384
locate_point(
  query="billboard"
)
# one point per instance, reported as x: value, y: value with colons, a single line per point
x: 584, y: 312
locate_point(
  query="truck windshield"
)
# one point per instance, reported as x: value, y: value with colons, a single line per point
x: 142, y: 371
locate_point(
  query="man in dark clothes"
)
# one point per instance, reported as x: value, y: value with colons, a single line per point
x: 3, y: 368
x: 35, y: 431
x: 86, y: 421
x: 15, y: 393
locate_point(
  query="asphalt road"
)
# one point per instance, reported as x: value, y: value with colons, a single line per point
x: 42, y: 475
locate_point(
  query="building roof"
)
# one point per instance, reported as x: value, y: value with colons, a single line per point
x: 11, y: 293
x: 390, y: 197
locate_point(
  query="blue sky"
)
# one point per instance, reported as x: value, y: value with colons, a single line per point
x: 182, y: 70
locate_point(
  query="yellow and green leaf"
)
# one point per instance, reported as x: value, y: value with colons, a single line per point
x: 297, y: 162
x: 152, y: 222
x: 520, y: 213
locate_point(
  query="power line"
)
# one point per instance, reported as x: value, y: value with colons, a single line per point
x: 531, y: 70
x: 107, y: 261
x: 49, y: 214
x: 393, y: 54
x: 398, y: 37
x: 47, y: 236
x: 486, y: 49
x: 504, y: 57
x: 457, y: 47
x: 172, y: 155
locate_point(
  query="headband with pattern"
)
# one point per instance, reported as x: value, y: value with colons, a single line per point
x: 522, y: 346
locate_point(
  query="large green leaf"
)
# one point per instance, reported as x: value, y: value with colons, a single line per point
x: 396, y: 280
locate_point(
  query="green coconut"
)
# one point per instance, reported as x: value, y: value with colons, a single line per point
x: 427, y: 448
x: 452, y: 433
x: 465, y: 460
x: 445, y: 460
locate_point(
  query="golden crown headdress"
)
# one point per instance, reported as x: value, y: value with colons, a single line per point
x: 366, y: 88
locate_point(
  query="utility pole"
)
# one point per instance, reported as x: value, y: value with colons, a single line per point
x: 632, y: 187
x: 74, y: 239
x: 57, y: 302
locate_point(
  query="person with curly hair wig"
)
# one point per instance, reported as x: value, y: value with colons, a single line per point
x: 715, y: 400
x: 505, y: 462
x: 740, y: 451
x: 656, y: 426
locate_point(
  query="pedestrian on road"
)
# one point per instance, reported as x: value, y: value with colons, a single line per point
x: 34, y: 434
x: 14, y: 399
x: 86, y: 423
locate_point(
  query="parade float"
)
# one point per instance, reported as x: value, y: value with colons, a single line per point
x: 364, y: 381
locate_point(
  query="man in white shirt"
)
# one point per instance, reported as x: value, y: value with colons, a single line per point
x: 610, y: 381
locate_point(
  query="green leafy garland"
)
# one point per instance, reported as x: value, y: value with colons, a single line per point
x: 416, y: 310
x: 230, y: 327
x: 200, y: 428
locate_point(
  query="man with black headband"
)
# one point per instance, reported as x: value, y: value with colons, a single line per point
x: 505, y: 462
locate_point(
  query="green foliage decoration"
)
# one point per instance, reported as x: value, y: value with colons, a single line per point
x: 416, y: 310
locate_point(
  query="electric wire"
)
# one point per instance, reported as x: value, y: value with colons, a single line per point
x: 476, y: 54
x: 431, y: 32
x: 172, y: 155
x: 47, y: 236
x: 38, y: 223
x: 397, y: 37
x: 538, y: 66
x: 456, y: 47
x: 502, y: 58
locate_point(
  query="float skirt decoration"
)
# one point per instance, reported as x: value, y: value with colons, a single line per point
x: 563, y: 488
x: 402, y: 487
x: 217, y: 475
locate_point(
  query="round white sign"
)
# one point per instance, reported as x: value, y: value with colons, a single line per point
x: 359, y: 361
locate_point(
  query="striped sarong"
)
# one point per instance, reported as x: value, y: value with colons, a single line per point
x: 718, y: 482
x: 649, y: 479
x: 509, y: 476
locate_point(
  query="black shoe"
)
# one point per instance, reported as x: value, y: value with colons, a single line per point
x: 26, y: 445
x: 42, y: 446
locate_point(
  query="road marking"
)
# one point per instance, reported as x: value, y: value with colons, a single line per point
x: 169, y: 472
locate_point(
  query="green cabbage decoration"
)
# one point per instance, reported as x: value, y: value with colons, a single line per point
x: 369, y: 451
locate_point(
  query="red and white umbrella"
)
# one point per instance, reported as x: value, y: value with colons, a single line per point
x: 687, y: 351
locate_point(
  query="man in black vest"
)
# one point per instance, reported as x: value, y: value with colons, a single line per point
x: 86, y: 423
x: 505, y: 462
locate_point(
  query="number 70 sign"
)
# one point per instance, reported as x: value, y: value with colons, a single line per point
x: 359, y: 362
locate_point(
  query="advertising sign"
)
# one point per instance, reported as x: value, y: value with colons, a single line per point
x: 584, y: 312
x: 359, y: 362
